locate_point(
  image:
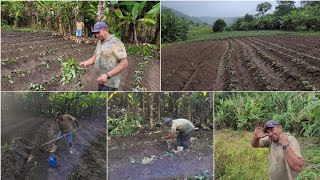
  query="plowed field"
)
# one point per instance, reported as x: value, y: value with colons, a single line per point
x: 36, y: 58
x: 263, y: 63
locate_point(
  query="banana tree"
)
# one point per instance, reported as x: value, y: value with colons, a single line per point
x: 134, y: 15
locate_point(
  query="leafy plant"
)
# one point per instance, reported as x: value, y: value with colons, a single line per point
x: 37, y: 87
x: 71, y: 70
x: 8, y: 78
x: 9, y: 61
x: 8, y: 146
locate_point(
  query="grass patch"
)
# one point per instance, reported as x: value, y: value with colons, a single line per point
x: 236, y: 159
x: 310, y: 149
x: 201, y: 34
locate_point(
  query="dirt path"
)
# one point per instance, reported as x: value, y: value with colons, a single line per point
x: 282, y: 62
x: 36, y: 58
x: 28, y: 161
x: 126, y: 154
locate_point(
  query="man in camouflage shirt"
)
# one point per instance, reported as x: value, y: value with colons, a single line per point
x: 282, y: 147
x: 110, y: 58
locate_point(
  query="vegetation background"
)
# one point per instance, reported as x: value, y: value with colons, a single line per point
x: 236, y: 115
x: 287, y: 18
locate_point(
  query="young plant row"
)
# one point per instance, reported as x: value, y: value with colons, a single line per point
x: 302, y: 84
x: 229, y: 66
x: 137, y: 78
x: 289, y: 53
x: 260, y: 79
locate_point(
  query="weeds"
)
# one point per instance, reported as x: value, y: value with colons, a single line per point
x: 8, y: 146
x: 8, y: 78
x: 8, y: 61
x: 37, y: 87
x: 145, y: 50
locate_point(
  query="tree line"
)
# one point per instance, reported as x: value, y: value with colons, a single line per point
x: 127, y: 112
x: 296, y: 112
x: 77, y: 104
x: 133, y: 22
x: 286, y: 17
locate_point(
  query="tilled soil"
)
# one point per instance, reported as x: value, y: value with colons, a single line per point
x: 36, y: 58
x: 264, y: 63
x: 126, y: 154
x: 28, y: 160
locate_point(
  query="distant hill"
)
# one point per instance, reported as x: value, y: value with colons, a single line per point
x: 207, y: 19
x: 210, y: 20
x: 180, y: 14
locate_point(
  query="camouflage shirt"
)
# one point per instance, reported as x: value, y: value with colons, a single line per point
x: 108, y: 55
x: 277, y: 166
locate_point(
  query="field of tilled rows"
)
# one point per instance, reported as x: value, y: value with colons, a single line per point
x: 36, y: 58
x: 263, y: 63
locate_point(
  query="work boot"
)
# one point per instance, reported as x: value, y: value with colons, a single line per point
x: 54, y: 148
x: 71, y: 151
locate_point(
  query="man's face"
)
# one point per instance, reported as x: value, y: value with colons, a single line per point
x: 274, y: 133
x: 102, y: 34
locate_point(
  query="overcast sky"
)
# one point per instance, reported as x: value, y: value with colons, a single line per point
x: 217, y: 8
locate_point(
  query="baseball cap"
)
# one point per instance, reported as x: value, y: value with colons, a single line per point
x: 270, y: 124
x: 167, y: 121
x: 98, y: 26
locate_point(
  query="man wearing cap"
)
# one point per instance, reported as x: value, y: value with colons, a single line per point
x: 282, y: 147
x: 110, y: 58
x: 184, y: 128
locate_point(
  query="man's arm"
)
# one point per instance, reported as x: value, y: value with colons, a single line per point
x: 256, y: 139
x: 168, y: 136
x: 295, y: 162
x: 89, y: 62
x: 76, y: 121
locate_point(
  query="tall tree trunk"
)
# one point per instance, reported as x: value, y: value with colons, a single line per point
x: 151, y: 110
x: 101, y: 13
x: 189, y: 108
x: 143, y: 106
x: 156, y: 39
x: 210, y: 111
x: 135, y: 39
x: 159, y: 107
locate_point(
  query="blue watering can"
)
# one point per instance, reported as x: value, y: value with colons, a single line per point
x: 53, y: 161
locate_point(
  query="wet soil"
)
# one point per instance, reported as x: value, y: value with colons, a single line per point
x: 264, y: 63
x: 36, y: 58
x: 126, y: 154
x: 29, y: 160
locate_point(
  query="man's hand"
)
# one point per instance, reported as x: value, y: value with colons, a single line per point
x: 83, y: 64
x: 258, y: 133
x: 283, y: 139
x: 102, y: 79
